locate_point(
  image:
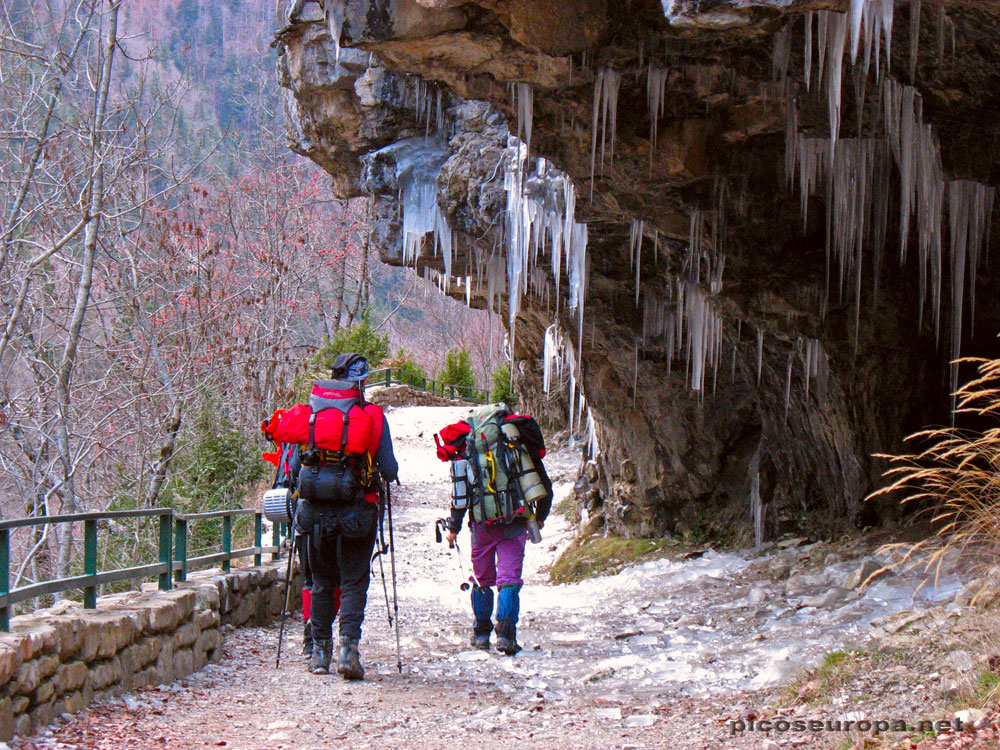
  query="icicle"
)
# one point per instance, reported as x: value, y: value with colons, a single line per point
x: 788, y: 385
x: 551, y: 350
x: 809, y: 16
x: 656, y: 92
x: 756, y: 506
x: 609, y: 105
x: 835, y: 63
x: 468, y: 291
x: 823, y: 37
x: 606, y: 86
x: 914, y: 38
x: 858, y: 8
x: 598, y: 90
x: 886, y: 13
x: 635, y: 376
x: 525, y: 112
x: 592, y: 444
x: 635, y: 252
x: 782, y: 52
x: 760, y: 353
x: 335, y: 17
x: 969, y: 208
x: 704, y: 332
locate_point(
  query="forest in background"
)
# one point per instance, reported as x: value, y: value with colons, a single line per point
x: 169, y: 271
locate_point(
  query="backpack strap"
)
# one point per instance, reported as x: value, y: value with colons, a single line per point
x: 343, y: 434
x: 375, y: 412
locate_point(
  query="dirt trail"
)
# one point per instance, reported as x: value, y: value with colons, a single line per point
x: 662, y: 655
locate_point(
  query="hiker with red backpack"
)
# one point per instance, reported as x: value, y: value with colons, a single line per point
x: 498, y: 477
x: 344, y: 447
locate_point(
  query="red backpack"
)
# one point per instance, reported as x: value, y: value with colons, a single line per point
x: 340, y: 436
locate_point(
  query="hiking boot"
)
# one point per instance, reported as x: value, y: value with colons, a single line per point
x: 322, y: 652
x: 480, y: 641
x: 349, y: 661
x: 507, y: 638
x: 307, y: 640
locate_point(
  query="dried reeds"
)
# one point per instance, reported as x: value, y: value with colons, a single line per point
x: 956, y: 479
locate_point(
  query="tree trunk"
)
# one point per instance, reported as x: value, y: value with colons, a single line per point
x: 173, y: 426
x: 94, y: 209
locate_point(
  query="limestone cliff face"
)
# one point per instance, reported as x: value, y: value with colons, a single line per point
x: 772, y: 216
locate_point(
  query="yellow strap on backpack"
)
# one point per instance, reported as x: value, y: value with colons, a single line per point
x: 492, y: 479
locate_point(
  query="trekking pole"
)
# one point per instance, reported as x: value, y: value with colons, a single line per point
x: 392, y: 565
x: 440, y: 526
x: 285, y: 603
x: 382, y: 548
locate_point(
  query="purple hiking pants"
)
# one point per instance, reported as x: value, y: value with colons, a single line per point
x: 496, y: 559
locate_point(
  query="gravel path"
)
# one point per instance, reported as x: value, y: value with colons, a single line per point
x: 664, y: 655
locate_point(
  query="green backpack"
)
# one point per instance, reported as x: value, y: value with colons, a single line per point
x: 494, y: 498
x: 508, y: 479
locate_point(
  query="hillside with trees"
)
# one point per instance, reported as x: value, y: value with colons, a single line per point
x: 167, y: 267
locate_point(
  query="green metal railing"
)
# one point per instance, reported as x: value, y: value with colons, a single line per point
x: 389, y: 375
x: 173, y: 562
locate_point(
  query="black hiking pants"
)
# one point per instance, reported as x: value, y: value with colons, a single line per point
x: 340, y: 550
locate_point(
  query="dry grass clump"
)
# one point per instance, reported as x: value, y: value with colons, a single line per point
x: 957, y: 478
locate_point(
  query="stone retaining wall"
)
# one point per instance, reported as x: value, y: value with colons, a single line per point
x: 60, y: 659
x: 404, y: 395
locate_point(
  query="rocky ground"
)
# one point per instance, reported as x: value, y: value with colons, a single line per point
x: 671, y: 653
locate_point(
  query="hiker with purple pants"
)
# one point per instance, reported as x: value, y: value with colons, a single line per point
x: 497, y: 474
x: 497, y: 560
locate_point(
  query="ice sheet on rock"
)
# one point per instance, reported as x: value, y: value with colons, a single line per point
x: 418, y: 162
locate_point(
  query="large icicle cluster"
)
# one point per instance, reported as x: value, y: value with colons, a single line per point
x: 427, y: 100
x: 684, y: 313
x: 541, y: 218
x: 855, y: 173
x: 685, y: 316
x: 540, y: 221
x: 560, y: 360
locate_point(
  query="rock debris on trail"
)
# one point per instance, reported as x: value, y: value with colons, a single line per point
x: 664, y: 654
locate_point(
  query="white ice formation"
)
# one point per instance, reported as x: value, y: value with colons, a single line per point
x: 684, y: 314
x: 418, y: 162
x: 606, y: 86
x: 855, y: 173
x: 656, y: 94
x: 335, y: 19
x: 541, y: 221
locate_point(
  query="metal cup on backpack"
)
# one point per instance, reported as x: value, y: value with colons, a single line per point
x: 463, y: 483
